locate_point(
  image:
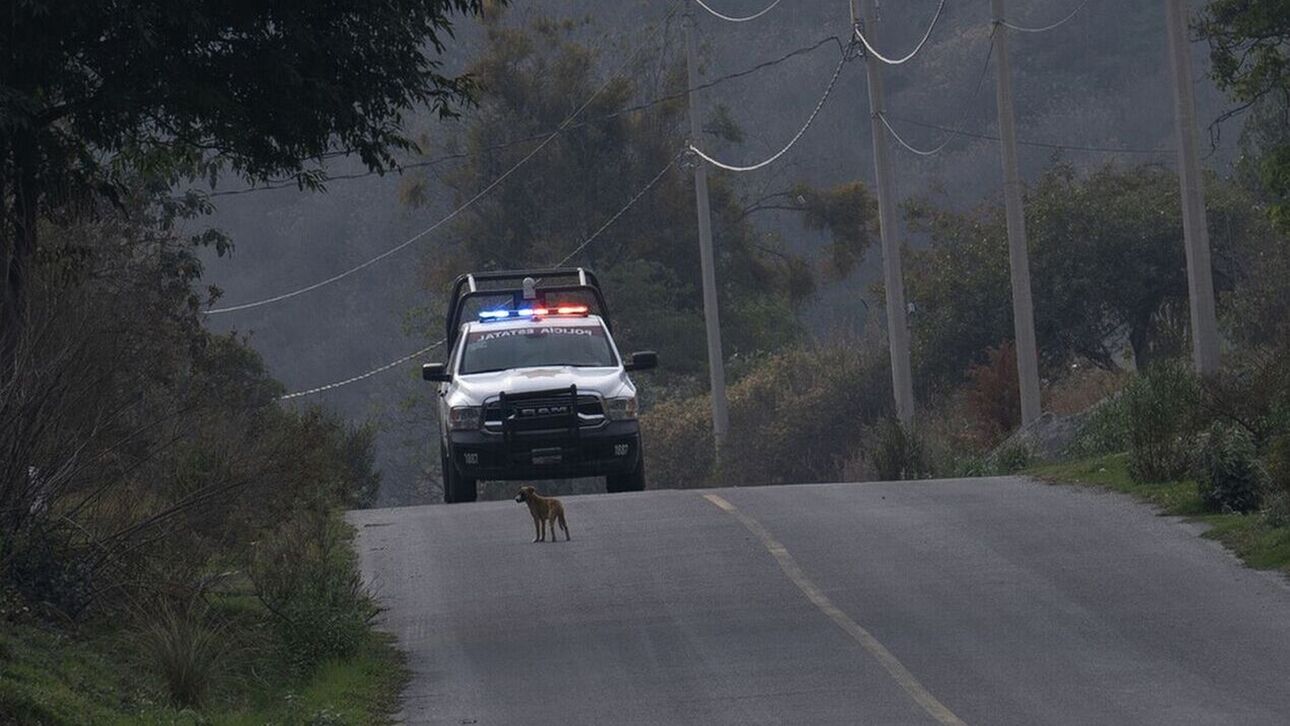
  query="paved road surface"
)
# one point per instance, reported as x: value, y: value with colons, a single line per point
x: 988, y: 601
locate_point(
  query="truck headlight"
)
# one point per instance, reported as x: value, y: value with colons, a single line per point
x: 620, y: 409
x: 464, y: 418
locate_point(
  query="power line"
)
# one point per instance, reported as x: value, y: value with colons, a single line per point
x: 451, y: 215
x: 976, y: 91
x: 730, y: 76
x: 802, y: 131
x: 361, y: 376
x: 909, y: 147
x: 594, y: 235
x: 620, y: 212
x: 898, y: 61
x: 284, y: 183
x: 1046, y: 28
x: 393, y: 250
x: 745, y: 19
x: 644, y: 105
x: 1038, y: 144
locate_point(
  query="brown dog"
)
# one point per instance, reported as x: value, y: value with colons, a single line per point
x: 546, y: 512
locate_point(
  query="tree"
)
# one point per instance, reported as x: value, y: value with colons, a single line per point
x: 1107, y: 262
x: 93, y: 93
x: 1249, y: 43
x: 531, y: 80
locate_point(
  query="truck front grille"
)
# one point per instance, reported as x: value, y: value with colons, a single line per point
x: 543, y: 412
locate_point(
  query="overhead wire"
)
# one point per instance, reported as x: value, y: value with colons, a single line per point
x: 952, y: 131
x: 940, y: 9
x: 620, y: 212
x: 451, y: 215
x: 976, y: 91
x: 732, y: 19
x: 362, y: 376
x: 793, y: 141
x: 1038, y: 144
x: 644, y: 105
x: 1046, y: 28
x: 592, y: 238
x: 910, y: 147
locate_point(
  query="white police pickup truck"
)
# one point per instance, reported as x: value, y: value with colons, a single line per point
x: 534, y: 386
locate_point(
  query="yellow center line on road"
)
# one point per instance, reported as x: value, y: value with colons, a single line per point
x: 893, y: 666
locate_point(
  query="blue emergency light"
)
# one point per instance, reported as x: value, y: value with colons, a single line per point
x: 492, y: 315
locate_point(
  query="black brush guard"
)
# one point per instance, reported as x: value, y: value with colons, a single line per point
x: 530, y: 413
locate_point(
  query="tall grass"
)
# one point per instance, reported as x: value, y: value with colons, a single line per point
x: 186, y: 649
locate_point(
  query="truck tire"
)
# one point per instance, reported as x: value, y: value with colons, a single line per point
x: 633, y: 481
x: 456, y: 488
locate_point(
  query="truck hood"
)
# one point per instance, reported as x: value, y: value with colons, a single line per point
x: 476, y: 388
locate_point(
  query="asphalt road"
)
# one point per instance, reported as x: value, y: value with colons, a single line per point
x: 986, y: 601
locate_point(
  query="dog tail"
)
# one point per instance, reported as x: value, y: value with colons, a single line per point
x: 563, y: 525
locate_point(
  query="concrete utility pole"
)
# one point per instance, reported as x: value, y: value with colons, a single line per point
x: 1023, y: 309
x: 1200, y: 276
x: 711, y: 318
x: 897, y: 315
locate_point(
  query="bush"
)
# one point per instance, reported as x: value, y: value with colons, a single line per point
x: 794, y: 417
x: 1229, y: 476
x: 994, y: 396
x: 1010, y: 459
x: 899, y: 454
x: 306, y: 575
x: 1278, y: 463
x: 1160, y: 407
x: 1252, y: 391
x: 185, y: 650
x: 1105, y: 430
x: 1276, y: 510
x: 677, y: 436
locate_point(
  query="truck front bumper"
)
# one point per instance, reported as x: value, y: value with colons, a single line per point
x: 614, y: 448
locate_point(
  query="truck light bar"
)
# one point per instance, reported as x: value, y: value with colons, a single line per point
x: 489, y: 315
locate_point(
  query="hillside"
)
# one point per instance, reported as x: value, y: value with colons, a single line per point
x: 1100, y: 81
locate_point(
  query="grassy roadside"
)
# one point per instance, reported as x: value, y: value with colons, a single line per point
x: 61, y: 676
x: 102, y: 672
x: 1258, y: 543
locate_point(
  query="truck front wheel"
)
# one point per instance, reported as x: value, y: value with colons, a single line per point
x: 456, y: 488
x: 632, y: 481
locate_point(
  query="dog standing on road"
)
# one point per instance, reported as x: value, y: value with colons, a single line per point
x: 546, y: 512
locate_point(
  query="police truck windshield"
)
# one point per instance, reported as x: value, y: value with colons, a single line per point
x: 582, y: 346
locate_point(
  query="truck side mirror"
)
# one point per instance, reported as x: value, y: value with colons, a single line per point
x: 435, y: 372
x: 643, y: 360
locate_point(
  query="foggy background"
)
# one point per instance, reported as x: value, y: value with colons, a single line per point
x: 1099, y: 81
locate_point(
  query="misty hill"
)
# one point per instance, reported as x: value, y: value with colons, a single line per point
x: 1099, y: 81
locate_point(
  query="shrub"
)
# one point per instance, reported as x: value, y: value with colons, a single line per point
x: 306, y: 576
x: 677, y: 436
x: 1229, y: 476
x: 994, y: 396
x: 1276, y: 510
x: 899, y: 454
x: 794, y: 417
x: 1161, y: 410
x: 185, y: 650
x: 1252, y: 391
x: 49, y: 572
x: 1104, y: 430
x: 1278, y: 463
x: 1010, y: 459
